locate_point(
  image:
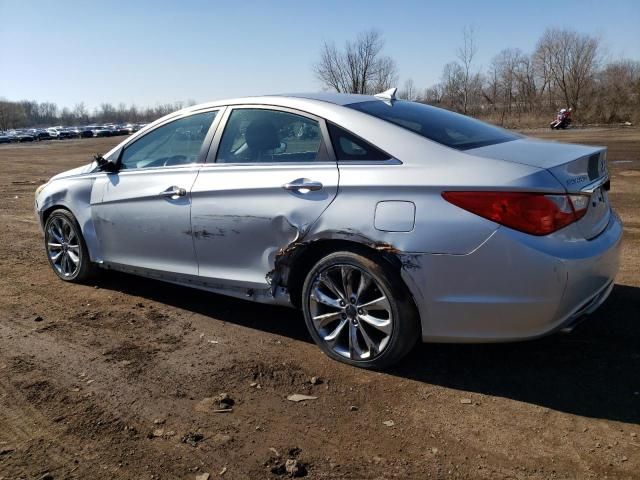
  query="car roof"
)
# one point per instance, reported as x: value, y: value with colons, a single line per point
x: 296, y: 100
x: 333, y: 107
x: 333, y: 97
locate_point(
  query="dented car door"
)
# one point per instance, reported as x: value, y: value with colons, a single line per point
x: 268, y: 177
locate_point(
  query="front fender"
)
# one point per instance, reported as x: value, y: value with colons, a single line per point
x: 74, y: 194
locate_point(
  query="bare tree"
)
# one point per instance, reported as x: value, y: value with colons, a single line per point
x: 541, y: 60
x: 11, y: 115
x: 469, y: 79
x: 408, y: 91
x: 80, y: 113
x: 66, y: 116
x: 502, y: 83
x: 48, y: 113
x: 617, y: 95
x: 359, y: 68
x: 525, y: 74
x: 452, y: 86
x: 433, y: 95
x: 570, y: 59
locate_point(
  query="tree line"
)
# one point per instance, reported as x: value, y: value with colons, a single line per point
x: 567, y: 69
x: 29, y: 113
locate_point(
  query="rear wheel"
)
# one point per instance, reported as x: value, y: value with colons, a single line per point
x: 358, y: 310
x: 66, y: 250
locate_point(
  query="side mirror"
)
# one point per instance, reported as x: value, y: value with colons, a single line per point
x: 105, y: 165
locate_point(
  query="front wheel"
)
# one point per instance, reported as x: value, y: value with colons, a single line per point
x: 358, y: 310
x: 66, y: 250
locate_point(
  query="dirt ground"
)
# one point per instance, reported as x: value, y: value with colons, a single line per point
x: 115, y: 380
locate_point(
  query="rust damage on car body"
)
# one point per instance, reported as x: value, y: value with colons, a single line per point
x: 278, y: 276
x: 295, y: 239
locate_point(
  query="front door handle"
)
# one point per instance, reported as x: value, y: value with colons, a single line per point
x: 303, y: 185
x: 174, y: 192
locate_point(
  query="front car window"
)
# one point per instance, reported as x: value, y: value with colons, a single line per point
x: 442, y: 126
x: 175, y: 143
x: 257, y: 135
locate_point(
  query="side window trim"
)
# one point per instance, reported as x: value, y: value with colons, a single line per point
x: 224, y: 118
x: 204, y: 148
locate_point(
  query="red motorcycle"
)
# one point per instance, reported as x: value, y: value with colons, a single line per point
x: 563, y: 119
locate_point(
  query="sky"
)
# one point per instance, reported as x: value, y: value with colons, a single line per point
x: 150, y: 52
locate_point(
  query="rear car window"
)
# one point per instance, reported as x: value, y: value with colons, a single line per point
x: 349, y: 147
x: 442, y: 126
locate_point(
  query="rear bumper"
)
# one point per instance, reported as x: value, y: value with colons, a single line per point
x: 514, y: 286
x: 588, y: 307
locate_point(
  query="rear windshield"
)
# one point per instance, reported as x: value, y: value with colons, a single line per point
x: 442, y: 126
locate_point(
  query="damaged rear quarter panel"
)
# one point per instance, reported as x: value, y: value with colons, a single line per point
x: 439, y: 226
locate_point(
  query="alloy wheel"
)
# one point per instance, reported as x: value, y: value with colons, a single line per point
x: 63, y: 247
x: 350, y: 312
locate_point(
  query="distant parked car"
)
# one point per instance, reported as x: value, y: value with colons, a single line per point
x: 22, y: 136
x: 42, y: 134
x: 132, y: 127
x: 4, y: 138
x: 86, y: 132
x: 59, y: 133
x: 121, y: 130
x: 53, y: 133
x: 74, y: 132
x: 102, y: 131
x: 63, y: 133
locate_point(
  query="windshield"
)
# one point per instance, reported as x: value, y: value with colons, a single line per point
x: 442, y: 126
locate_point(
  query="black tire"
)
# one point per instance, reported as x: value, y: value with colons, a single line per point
x: 404, y: 319
x: 84, y: 270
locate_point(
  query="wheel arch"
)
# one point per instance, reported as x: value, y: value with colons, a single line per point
x: 304, y: 256
x: 85, y: 222
x: 46, y: 213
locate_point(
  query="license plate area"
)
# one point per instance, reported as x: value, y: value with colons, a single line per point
x: 597, y: 216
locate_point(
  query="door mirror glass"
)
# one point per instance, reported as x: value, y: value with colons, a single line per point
x: 105, y: 165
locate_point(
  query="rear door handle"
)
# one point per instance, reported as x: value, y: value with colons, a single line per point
x: 174, y: 192
x: 303, y: 185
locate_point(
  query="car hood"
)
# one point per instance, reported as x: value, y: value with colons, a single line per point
x: 75, y: 171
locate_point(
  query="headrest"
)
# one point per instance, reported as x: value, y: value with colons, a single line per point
x: 261, y: 135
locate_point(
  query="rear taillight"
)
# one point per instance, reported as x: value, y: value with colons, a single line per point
x: 534, y: 213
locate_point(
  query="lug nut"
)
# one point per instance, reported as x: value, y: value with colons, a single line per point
x: 353, y: 300
x: 342, y: 303
x: 360, y: 311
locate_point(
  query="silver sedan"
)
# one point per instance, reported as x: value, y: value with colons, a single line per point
x: 384, y: 221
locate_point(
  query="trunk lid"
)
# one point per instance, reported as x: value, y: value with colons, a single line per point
x: 580, y: 169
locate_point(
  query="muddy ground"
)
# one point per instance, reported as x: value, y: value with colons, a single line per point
x: 114, y: 380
